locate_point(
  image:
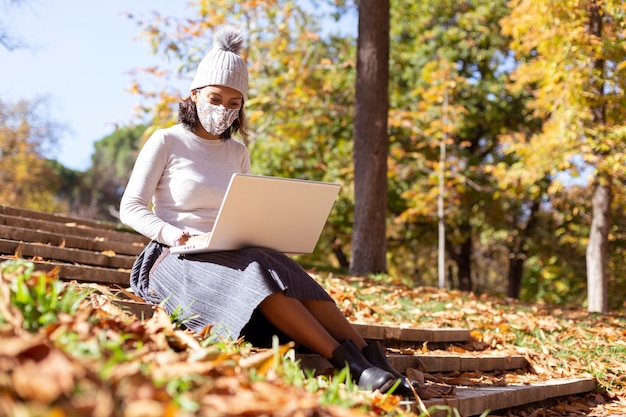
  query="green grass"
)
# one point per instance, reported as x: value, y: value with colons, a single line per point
x: 40, y: 298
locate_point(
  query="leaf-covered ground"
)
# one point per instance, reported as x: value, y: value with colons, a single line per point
x: 558, y: 343
x: 93, y: 359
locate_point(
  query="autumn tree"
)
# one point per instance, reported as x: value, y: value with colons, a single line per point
x: 575, y: 67
x: 502, y: 220
x: 301, y: 92
x: 102, y: 185
x: 26, y: 137
x: 454, y: 49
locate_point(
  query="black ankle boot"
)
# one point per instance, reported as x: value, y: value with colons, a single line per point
x: 374, y: 353
x: 366, y: 375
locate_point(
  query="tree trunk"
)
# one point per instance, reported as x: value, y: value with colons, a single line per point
x: 464, y: 264
x: 371, y: 140
x: 516, y: 270
x: 337, y: 248
x: 461, y: 254
x: 597, y: 277
x: 519, y: 252
x: 597, y: 248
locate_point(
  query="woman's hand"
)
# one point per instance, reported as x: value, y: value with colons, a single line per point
x: 183, y: 238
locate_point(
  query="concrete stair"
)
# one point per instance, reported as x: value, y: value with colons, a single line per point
x: 89, y: 251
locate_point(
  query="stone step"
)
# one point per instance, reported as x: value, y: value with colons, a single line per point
x: 473, y: 401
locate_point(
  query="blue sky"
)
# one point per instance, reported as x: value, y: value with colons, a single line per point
x: 78, y: 55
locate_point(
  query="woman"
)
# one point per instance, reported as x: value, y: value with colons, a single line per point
x: 175, y: 191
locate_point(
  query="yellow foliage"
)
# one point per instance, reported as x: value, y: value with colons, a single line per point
x: 562, y: 52
x: 28, y: 180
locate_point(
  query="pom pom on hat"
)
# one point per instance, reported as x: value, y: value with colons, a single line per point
x: 223, y: 65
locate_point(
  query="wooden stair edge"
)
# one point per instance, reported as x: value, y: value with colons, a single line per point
x: 55, y: 217
x: 473, y: 401
x: 464, y: 362
x: 69, y: 255
x: 436, y: 363
x: 69, y: 241
x: 72, y: 229
x: 80, y: 273
x: 361, y: 328
x: 412, y: 334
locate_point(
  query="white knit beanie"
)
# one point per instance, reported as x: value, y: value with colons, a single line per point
x: 223, y: 65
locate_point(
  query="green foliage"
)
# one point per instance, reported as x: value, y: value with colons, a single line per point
x: 573, y: 61
x: 179, y: 386
x: 310, y: 135
x: 178, y: 317
x: 575, y: 76
x: 40, y: 297
x: 338, y: 389
x: 301, y: 92
x: 112, y: 162
x: 452, y: 51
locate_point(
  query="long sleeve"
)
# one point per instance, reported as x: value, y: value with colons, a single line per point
x: 135, y: 205
x: 178, y: 183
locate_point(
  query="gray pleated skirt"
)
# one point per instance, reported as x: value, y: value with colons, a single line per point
x: 221, y: 289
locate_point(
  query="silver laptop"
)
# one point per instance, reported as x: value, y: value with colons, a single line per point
x: 284, y: 214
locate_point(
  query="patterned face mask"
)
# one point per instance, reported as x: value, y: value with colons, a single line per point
x: 215, y: 119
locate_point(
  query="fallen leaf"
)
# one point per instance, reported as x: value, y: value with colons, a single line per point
x: 43, y: 380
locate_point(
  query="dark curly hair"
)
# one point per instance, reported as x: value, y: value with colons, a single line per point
x: 188, y: 116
